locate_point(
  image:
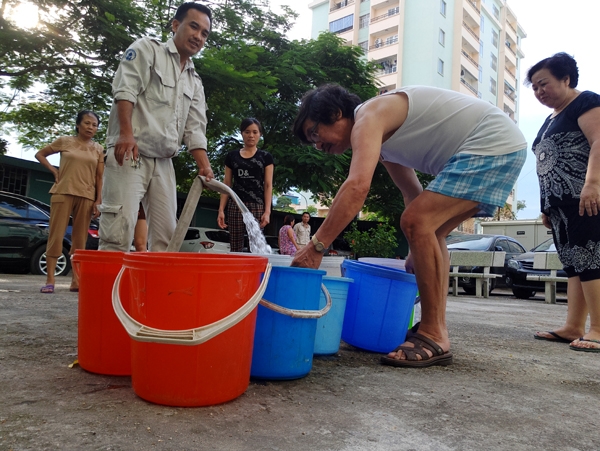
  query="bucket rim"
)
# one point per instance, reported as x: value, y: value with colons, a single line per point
x: 92, y: 254
x: 337, y: 279
x: 298, y: 269
x: 380, y: 271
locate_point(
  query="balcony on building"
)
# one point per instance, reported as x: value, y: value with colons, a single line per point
x: 469, y: 57
x: 386, y: 88
x: 511, y: 50
x: 470, y: 34
x: 384, y: 45
x: 509, y: 112
x: 472, y: 9
x: 510, y: 73
x: 343, y: 27
x: 468, y: 82
x: 384, y: 18
x: 510, y: 95
x: 387, y: 74
x: 335, y: 5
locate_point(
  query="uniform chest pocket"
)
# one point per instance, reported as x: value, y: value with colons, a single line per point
x: 161, y: 88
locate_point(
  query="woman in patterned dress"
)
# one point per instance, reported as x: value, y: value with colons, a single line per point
x: 567, y: 150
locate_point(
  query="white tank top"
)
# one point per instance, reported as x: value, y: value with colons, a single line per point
x: 441, y: 123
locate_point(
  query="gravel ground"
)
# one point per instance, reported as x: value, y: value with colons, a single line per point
x: 505, y: 390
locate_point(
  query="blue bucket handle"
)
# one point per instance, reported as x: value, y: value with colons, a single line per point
x: 304, y: 314
x: 188, y: 337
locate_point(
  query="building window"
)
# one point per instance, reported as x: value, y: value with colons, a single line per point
x: 492, y: 86
x: 443, y: 8
x: 495, y: 38
x: 440, y: 67
x: 364, y: 46
x: 496, y: 12
x: 480, y: 76
x: 363, y: 21
x: 482, y: 23
x: 442, y: 38
x: 14, y: 180
x: 494, y: 62
x: 391, y: 39
x: 341, y: 25
x: 481, y: 47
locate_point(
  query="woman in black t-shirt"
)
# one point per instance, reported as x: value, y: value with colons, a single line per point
x: 567, y: 151
x: 249, y: 171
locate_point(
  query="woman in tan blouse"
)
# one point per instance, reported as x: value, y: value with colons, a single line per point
x: 77, y: 190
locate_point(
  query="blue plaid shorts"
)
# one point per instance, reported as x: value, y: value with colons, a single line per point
x: 487, y: 179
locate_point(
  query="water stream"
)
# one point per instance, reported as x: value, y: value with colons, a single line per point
x: 258, y: 243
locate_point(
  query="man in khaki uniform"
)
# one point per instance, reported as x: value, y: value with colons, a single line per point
x: 158, y: 104
x: 302, y: 230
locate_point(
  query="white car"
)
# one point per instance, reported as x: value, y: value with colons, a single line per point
x: 201, y: 239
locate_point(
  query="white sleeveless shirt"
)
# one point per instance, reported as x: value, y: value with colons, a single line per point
x: 441, y: 123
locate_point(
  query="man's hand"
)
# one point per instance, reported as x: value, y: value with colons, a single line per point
x: 125, y: 148
x: 308, y: 257
x: 207, y: 172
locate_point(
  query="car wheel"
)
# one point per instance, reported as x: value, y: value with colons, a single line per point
x: 523, y: 293
x: 39, y: 264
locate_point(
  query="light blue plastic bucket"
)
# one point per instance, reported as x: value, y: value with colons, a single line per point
x: 379, y: 306
x: 284, y: 338
x: 329, y: 327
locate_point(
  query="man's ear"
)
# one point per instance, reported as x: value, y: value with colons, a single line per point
x: 175, y: 25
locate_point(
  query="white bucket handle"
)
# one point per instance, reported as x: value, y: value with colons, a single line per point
x: 305, y: 314
x: 188, y: 337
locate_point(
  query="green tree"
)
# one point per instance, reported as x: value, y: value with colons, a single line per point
x: 380, y: 241
x: 283, y: 204
x: 249, y: 68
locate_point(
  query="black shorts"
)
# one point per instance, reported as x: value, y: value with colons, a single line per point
x: 577, y: 240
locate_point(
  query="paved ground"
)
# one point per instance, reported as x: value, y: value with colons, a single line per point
x: 504, y: 391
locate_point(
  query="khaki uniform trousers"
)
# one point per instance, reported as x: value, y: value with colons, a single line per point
x: 124, y: 187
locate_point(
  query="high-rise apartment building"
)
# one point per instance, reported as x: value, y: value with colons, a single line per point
x: 470, y: 46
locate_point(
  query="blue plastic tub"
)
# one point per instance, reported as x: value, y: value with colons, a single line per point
x: 283, y: 345
x: 329, y: 327
x: 379, y: 306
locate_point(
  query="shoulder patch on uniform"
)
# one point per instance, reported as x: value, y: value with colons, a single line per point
x: 130, y: 55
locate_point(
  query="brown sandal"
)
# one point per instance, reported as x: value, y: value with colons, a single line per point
x: 421, y: 343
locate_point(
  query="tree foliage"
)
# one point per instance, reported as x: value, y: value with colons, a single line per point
x: 248, y: 67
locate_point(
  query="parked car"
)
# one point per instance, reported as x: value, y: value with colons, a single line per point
x: 202, y: 239
x: 24, y: 224
x: 484, y: 243
x: 520, y: 266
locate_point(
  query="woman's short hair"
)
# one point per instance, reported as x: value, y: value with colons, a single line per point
x: 560, y: 66
x: 80, y: 118
x: 288, y: 220
x: 323, y: 105
x: 248, y: 122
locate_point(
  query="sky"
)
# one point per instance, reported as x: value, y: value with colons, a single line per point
x: 551, y: 25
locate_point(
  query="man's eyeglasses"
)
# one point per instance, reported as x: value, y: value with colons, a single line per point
x: 312, y: 135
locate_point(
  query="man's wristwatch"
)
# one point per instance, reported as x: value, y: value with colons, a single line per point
x: 319, y: 247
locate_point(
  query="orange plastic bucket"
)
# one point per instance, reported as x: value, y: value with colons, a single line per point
x: 177, y: 301
x: 104, y: 346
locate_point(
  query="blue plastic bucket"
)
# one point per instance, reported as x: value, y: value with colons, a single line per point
x: 379, y: 306
x: 284, y: 345
x: 329, y: 327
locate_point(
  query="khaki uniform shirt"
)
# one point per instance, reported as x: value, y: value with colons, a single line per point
x: 169, y: 104
x: 303, y: 233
